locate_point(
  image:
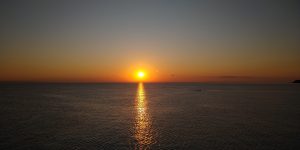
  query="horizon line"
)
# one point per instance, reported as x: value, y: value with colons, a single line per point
x: 133, y: 82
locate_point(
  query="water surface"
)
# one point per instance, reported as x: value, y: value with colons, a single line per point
x: 149, y: 116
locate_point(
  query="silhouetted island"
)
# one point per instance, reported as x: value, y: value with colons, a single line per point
x: 296, y: 81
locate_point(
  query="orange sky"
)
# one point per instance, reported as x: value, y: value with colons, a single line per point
x: 184, y: 41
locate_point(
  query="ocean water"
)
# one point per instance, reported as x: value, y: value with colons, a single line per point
x: 149, y: 116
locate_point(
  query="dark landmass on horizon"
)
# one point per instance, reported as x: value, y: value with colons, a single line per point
x: 296, y: 81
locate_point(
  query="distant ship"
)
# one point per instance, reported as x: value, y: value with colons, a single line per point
x: 296, y: 81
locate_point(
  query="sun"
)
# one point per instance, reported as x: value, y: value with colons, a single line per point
x: 140, y: 75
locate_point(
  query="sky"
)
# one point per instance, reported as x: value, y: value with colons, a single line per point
x: 171, y: 40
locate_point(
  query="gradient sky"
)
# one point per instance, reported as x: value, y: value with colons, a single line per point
x: 173, y: 40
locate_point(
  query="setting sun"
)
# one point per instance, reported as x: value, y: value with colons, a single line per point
x: 140, y: 75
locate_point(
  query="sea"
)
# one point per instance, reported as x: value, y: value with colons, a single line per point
x: 95, y: 116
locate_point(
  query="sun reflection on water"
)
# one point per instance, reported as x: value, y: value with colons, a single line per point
x: 143, y: 131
